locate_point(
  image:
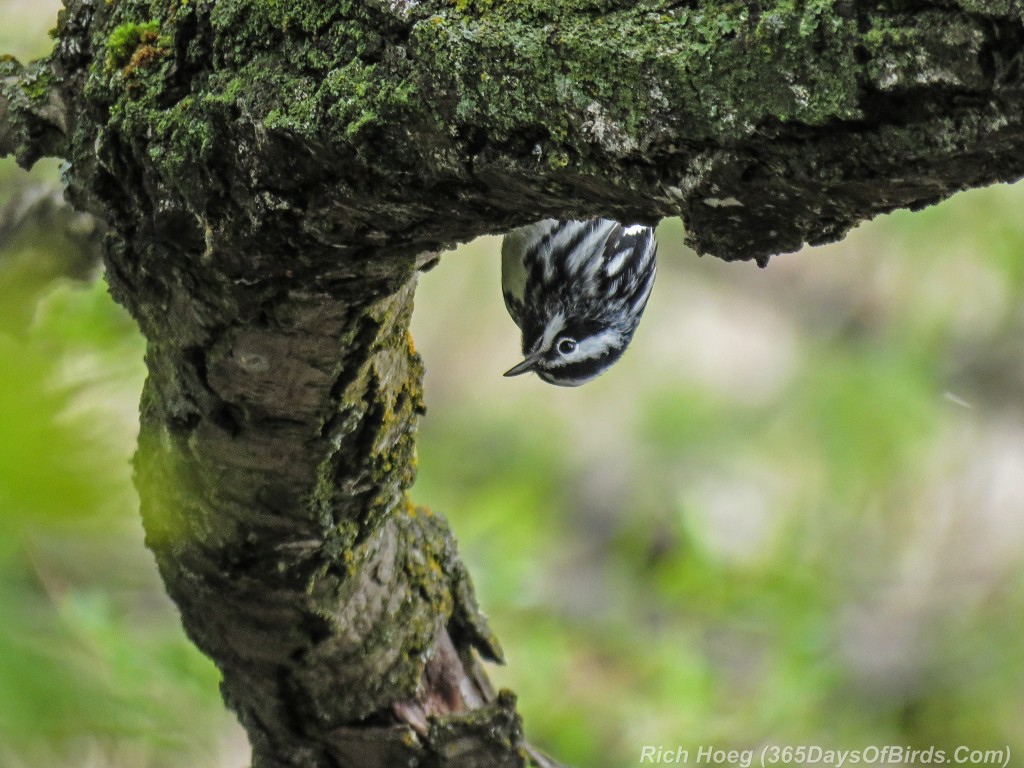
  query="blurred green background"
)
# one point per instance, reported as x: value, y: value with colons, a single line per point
x: 793, y: 513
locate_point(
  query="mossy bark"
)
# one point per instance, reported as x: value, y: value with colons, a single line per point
x: 274, y: 174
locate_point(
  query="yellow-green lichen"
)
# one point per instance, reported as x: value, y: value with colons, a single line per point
x: 38, y: 84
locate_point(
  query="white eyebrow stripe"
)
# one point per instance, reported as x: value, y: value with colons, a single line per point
x: 634, y: 229
x: 595, y: 346
x: 592, y: 347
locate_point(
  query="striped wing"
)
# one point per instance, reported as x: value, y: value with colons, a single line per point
x: 518, y: 248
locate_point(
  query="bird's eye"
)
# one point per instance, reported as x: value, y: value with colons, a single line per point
x: 567, y: 346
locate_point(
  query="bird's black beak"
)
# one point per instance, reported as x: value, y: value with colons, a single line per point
x: 524, y: 367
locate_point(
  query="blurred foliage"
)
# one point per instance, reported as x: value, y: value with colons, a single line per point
x: 95, y: 669
x: 791, y: 514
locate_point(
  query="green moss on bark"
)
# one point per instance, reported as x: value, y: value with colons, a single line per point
x: 355, y: 78
x: 923, y: 49
x: 127, y: 40
x: 521, y: 77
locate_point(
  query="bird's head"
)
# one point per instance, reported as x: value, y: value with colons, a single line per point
x: 569, y: 353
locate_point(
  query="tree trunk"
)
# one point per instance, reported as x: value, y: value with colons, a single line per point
x: 274, y: 175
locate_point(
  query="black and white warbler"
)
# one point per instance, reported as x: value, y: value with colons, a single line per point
x: 577, y: 290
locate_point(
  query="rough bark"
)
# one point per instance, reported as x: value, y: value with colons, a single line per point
x: 275, y: 173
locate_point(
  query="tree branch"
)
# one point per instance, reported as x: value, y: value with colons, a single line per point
x: 272, y: 464
x: 416, y: 124
x: 33, y: 119
x: 275, y: 174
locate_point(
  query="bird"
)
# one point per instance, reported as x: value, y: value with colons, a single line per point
x: 577, y: 291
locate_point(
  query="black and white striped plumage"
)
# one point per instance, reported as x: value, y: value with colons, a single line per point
x: 577, y: 290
